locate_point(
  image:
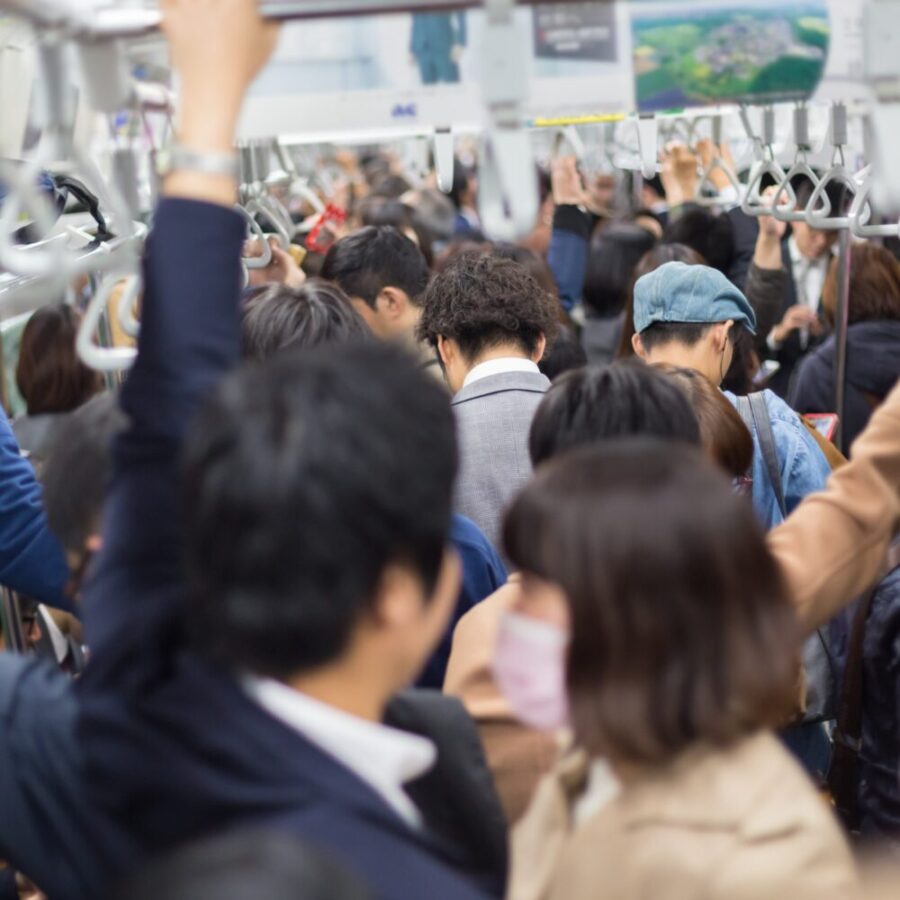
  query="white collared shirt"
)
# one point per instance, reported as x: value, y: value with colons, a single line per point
x: 809, y: 275
x: 385, y: 758
x: 501, y: 367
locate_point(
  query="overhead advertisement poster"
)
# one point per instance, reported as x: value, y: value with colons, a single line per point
x: 701, y: 54
x: 575, y: 31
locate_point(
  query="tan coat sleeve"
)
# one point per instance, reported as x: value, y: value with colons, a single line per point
x: 833, y: 546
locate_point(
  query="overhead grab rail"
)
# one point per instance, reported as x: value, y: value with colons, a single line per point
x: 717, y: 164
x: 754, y: 203
x: 782, y: 206
x: 819, y: 212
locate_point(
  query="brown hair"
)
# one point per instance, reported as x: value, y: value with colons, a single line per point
x: 650, y: 262
x: 725, y: 437
x: 874, y: 285
x: 50, y: 376
x: 682, y: 628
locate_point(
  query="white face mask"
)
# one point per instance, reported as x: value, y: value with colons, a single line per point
x: 530, y: 670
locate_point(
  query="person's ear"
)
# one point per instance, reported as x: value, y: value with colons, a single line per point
x: 638, y: 346
x: 539, y: 348
x: 720, y: 335
x: 447, y: 351
x: 399, y: 597
x: 392, y: 302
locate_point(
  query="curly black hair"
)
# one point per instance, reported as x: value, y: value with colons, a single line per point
x: 482, y: 301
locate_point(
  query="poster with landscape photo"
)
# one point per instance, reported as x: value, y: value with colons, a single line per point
x: 722, y: 51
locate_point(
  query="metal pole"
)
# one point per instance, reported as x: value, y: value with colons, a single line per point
x: 842, y: 315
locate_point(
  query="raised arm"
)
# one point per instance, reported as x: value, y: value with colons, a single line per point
x: 190, y: 335
x: 31, y: 559
x: 833, y: 546
x: 570, y: 239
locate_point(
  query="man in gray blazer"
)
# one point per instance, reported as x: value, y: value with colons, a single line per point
x: 490, y: 323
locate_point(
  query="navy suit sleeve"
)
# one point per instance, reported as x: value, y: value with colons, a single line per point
x: 190, y: 337
x: 31, y: 560
x: 568, y: 254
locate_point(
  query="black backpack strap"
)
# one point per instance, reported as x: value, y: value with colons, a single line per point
x: 843, y: 776
x: 762, y: 425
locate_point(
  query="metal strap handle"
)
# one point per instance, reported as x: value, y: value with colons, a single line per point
x: 754, y: 204
x: 785, y: 210
x: 717, y: 163
x: 260, y: 208
x: 819, y: 211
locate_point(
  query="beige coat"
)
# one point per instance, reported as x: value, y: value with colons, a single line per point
x: 737, y: 824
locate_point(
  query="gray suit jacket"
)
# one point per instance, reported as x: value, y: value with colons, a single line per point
x: 493, y: 417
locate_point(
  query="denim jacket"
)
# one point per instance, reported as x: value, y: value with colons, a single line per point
x: 804, y: 469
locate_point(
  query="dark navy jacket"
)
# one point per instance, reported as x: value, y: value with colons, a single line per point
x: 873, y: 367
x: 173, y: 747
x: 483, y: 573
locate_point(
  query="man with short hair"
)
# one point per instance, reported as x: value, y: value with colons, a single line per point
x: 385, y: 275
x: 272, y: 574
x: 490, y: 323
x: 690, y: 316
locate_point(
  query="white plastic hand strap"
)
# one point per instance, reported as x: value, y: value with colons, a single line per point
x: 261, y: 208
x: 256, y: 262
x: 819, y: 209
x: 444, y: 159
x: 107, y: 359
x: 754, y: 203
x: 707, y: 194
x: 861, y: 212
x: 508, y: 191
x: 784, y: 203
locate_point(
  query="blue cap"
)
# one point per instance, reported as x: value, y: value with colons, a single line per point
x: 699, y: 295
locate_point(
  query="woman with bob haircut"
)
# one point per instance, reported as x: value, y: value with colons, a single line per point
x: 655, y: 625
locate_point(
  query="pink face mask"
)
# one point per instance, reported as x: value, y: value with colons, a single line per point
x: 530, y: 670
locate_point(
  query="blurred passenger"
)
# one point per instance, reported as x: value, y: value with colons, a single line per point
x: 279, y: 317
x: 724, y: 436
x: 658, y: 256
x: 244, y: 866
x: 385, y: 275
x: 583, y: 407
x: 873, y: 342
x: 464, y: 195
x: 689, y: 316
x: 708, y: 234
x: 567, y: 353
x: 613, y: 257
x: 490, y: 323
x: 382, y: 211
x: 51, y: 378
x: 641, y: 569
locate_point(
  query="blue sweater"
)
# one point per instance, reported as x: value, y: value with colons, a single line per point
x: 31, y: 561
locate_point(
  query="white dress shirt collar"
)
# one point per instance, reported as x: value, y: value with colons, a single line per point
x: 385, y: 758
x: 501, y: 366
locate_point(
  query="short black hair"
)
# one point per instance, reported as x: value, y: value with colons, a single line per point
x: 659, y: 334
x: 711, y: 235
x: 597, y: 403
x: 565, y: 354
x: 613, y: 257
x: 244, y: 866
x: 279, y: 317
x: 364, y: 263
x: 77, y: 471
x: 305, y: 476
x: 481, y: 301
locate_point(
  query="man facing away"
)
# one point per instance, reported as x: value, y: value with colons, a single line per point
x: 490, y: 322
x: 271, y: 575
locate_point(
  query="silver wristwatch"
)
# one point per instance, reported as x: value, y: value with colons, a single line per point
x: 176, y: 158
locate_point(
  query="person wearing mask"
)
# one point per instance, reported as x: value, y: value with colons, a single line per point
x: 690, y: 317
x: 51, y: 378
x: 873, y: 343
x: 654, y: 623
x: 490, y: 323
x: 385, y: 276
x: 274, y: 563
x: 583, y: 407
